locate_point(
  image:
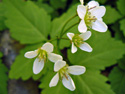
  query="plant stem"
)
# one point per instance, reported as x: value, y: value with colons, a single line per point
x: 69, y: 28
x: 66, y: 24
x: 57, y: 39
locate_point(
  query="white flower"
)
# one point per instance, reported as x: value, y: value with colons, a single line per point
x: 63, y: 71
x: 91, y: 17
x: 43, y: 54
x: 78, y: 41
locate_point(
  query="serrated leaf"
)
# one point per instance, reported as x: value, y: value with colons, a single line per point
x: 3, y: 78
x: 111, y: 15
x: 22, y: 67
x: 2, y: 18
x: 106, y: 51
x: 117, y: 78
x: 27, y: 23
x: 88, y: 83
x: 120, y: 4
x: 122, y: 26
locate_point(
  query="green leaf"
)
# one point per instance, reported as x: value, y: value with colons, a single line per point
x: 118, y: 33
x: 3, y: 78
x: 57, y: 4
x: 27, y: 23
x: 111, y: 15
x: 88, y: 83
x: 59, y: 23
x: 22, y: 67
x: 122, y: 26
x: 106, y: 51
x: 121, y: 63
x: 121, y: 8
x: 59, y: 89
x: 2, y: 18
x: 117, y: 78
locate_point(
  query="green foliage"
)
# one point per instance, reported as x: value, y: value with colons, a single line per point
x: 122, y: 26
x: 120, y: 4
x: 117, y: 77
x: 105, y: 53
x: 22, y: 67
x: 2, y: 18
x: 27, y: 23
x: 111, y: 15
x: 59, y: 4
x: 3, y: 78
x: 59, y: 89
x: 46, y: 7
x: 118, y: 34
x: 59, y: 23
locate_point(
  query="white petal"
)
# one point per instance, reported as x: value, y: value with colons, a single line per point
x: 86, y: 47
x: 100, y: 19
x: 81, y: 1
x: 81, y: 10
x: 47, y: 47
x: 38, y: 66
x: 74, y: 48
x: 82, y: 27
x: 54, y: 80
x: 76, y: 70
x: 68, y: 82
x: 31, y: 54
x: 98, y: 12
x: 58, y: 65
x: 70, y: 35
x: 54, y: 57
x: 99, y: 26
x: 92, y: 4
x: 85, y: 35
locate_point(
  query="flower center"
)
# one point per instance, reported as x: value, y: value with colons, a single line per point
x: 77, y: 40
x: 89, y: 19
x: 63, y: 72
x: 42, y: 54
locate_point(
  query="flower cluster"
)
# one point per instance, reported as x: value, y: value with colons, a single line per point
x: 91, y: 18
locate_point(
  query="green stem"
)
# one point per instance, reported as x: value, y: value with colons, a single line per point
x: 58, y: 43
x: 57, y: 39
x: 70, y: 28
x: 66, y: 24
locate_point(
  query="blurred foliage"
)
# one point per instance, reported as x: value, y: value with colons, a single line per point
x: 32, y: 22
x: 3, y: 77
x: 2, y: 18
x: 109, y: 18
x: 117, y: 77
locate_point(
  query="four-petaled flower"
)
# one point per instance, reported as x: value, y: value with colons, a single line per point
x: 63, y: 71
x: 78, y: 41
x: 91, y: 17
x: 43, y: 54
